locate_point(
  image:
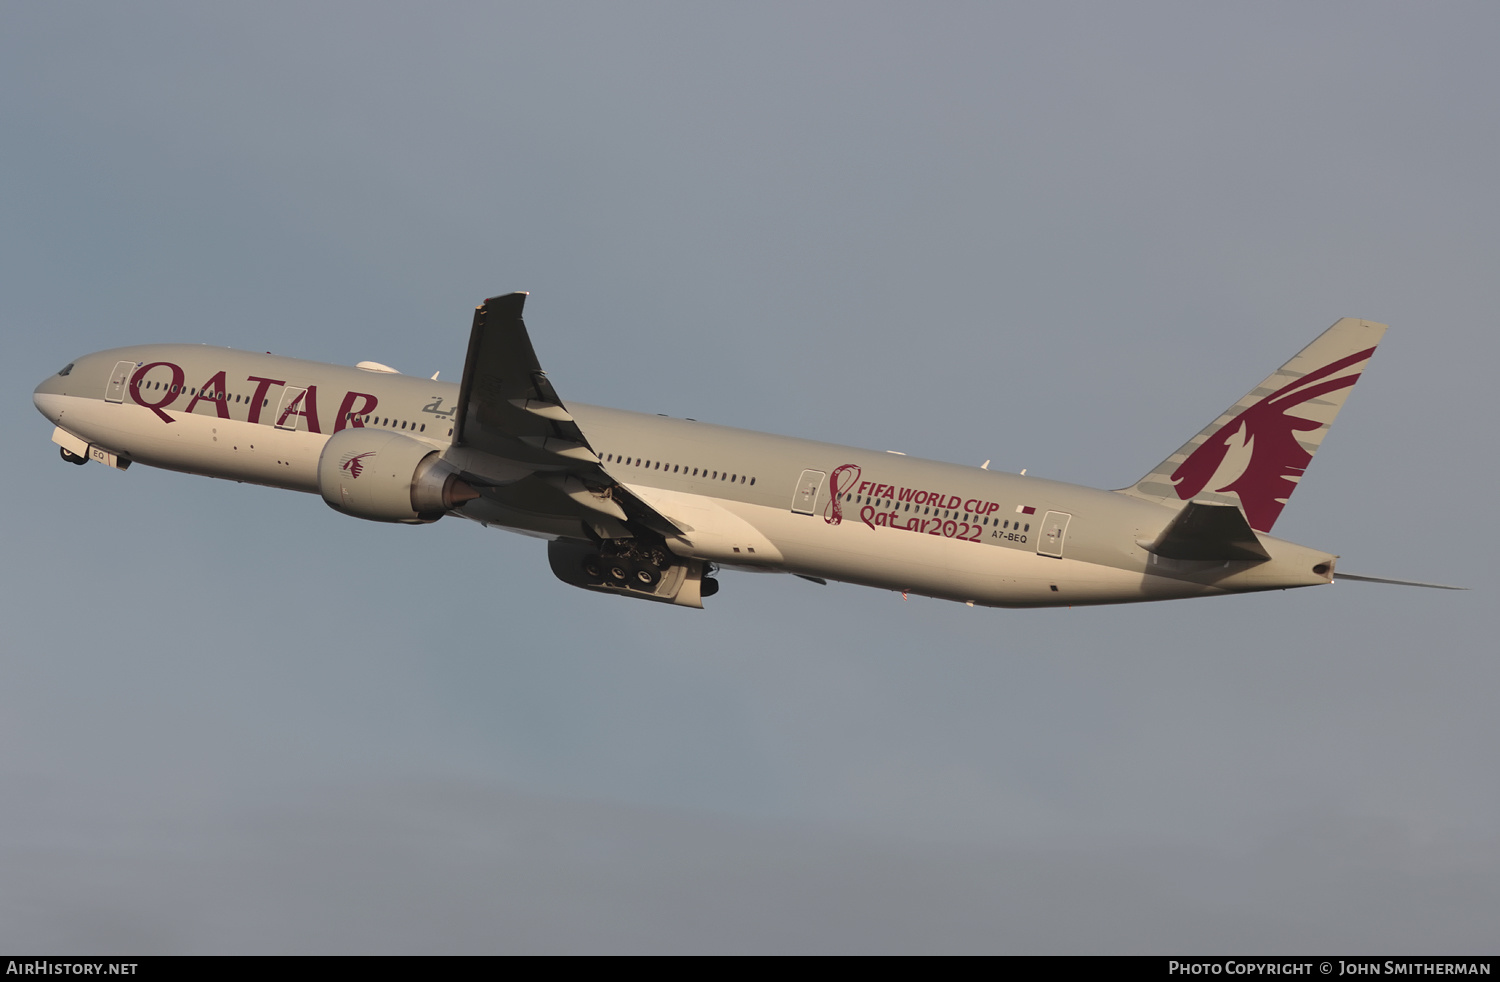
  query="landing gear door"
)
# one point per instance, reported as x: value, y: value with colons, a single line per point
x: 114, y: 391
x: 291, y: 409
x: 1054, y: 534
x: 805, y: 498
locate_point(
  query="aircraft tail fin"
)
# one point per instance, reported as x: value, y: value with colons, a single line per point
x: 1256, y: 451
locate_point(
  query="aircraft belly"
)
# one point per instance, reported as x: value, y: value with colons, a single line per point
x: 715, y: 529
x: 198, y: 444
x: 953, y: 569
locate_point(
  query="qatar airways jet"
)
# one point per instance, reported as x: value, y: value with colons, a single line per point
x: 648, y: 506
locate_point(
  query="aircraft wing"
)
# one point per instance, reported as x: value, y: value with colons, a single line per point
x: 506, y: 405
x: 510, y: 421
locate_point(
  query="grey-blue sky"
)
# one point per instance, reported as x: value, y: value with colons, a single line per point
x: 1061, y: 238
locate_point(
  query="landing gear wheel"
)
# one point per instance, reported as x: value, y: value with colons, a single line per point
x: 593, y: 566
x: 707, y: 587
x: 71, y: 457
x: 646, y: 578
x: 619, y: 572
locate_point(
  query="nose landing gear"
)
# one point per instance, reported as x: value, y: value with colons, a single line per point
x: 71, y: 457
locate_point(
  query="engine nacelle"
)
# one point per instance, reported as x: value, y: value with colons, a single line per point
x: 387, y: 477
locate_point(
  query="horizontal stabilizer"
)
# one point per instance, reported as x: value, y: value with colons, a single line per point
x: 1381, y: 579
x: 1209, y: 532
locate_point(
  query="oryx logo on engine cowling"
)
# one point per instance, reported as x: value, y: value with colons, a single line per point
x: 1268, y: 459
x: 354, y: 464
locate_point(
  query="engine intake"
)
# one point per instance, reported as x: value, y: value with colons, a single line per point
x: 387, y: 477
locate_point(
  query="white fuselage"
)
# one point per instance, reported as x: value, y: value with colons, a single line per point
x: 742, y: 499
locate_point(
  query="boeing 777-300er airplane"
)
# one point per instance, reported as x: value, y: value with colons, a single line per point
x: 648, y: 506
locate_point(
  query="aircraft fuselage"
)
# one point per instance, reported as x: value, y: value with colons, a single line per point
x: 741, y: 499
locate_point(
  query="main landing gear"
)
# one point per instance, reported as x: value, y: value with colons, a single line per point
x: 627, y: 564
x: 630, y: 564
x: 641, y: 567
x: 72, y: 457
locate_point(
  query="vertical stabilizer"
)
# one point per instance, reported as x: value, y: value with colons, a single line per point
x: 1254, y: 454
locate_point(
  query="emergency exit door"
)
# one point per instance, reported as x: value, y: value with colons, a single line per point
x: 805, y: 498
x: 1054, y: 534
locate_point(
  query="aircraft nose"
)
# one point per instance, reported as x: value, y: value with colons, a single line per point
x: 48, y: 400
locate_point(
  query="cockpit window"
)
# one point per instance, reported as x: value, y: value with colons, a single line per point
x: 66, y: 368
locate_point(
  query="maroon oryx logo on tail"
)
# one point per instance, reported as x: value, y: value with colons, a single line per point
x: 1266, y: 437
x: 355, y: 464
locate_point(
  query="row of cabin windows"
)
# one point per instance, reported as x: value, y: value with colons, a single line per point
x: 928, y: 510
x: 679, y: 469
x: 387, y: 421
x: 189, y: 390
